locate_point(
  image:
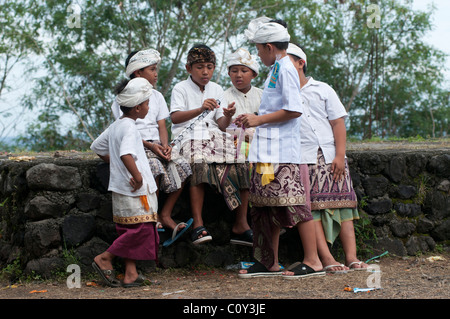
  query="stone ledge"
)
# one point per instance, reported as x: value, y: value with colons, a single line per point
x: 53, y: 204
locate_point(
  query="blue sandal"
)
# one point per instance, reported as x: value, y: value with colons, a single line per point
x: 176, y: 234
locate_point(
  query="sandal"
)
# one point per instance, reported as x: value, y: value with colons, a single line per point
x: 343, y: 271
x: 176, y: 234
x: 140, y: 281
x: 357, y: 268
x: 302, y: 270
x: 245, y: 239
x: 259, y: 270
x: 108, y: 275
x: 198, y: 232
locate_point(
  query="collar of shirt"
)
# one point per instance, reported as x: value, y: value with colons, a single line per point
x: 311, y: 81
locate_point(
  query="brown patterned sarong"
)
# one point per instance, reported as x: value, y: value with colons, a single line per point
x: 172, y: 174
x: 326, y: 193
x: 214, y: 162
x: 284, y: 202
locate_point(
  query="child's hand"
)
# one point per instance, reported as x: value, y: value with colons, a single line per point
x: 136, y: 184
x: 167, y: 152
x: 159, y: 151
x: 338, y: 168
x: 247, y: 120
x: 230, y: 110
x: 209, y: 104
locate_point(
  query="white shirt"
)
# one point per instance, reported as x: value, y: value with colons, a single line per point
x: 157, y: 110
x: 321, y: 105
x: 245, y: 102
x: 279, y: 142
x: 186, y: 96
x: 122, y: 138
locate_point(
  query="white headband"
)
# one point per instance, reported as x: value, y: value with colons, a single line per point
x: 243, y: 57
x: 135, y: 92
x: 260, y: 30
x: 298, y: 52
x: 141, y: 60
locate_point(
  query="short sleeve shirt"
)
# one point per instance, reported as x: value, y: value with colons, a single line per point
x: 186, y: 96
x: 322, y: 105
x: 278, y: 142
x: 122, y: 138
x: 245, y: 102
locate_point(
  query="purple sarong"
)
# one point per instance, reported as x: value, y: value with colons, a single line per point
x: 136, y: 241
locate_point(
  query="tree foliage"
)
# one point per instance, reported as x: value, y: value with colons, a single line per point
x: 388, y: 78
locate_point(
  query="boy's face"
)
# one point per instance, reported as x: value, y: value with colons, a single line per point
x: 266, y: 53
x: 201, y: 73
x: 150, y: 73
x: 241, y: 76
x: 142, y: 109
x: 298, y: 64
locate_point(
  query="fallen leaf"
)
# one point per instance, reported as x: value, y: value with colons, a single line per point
x: 37, y: 291
x: 91, y: 284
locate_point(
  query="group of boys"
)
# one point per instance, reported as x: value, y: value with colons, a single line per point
x: 279, y: 184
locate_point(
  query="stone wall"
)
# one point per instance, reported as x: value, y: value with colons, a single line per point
x: 57, y: 211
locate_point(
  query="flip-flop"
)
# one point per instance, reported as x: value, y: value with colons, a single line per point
x: 302, y: 270
x: 198, y: 232
x: 111, y: 280
x: 176, y: 234
x: 160, y: 229
x: 140, y: 281
x: 328, y: 271
x: 245, y: 239
x: 259, y: 270
x: 357, y: 263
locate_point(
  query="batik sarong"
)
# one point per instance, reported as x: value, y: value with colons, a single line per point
x: 284, y: 202
x: 214, y: 161
x: 172, y: 174
x: 332, y: 202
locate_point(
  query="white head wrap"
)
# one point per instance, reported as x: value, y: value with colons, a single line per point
x: 141, y: 60
x: 295, y: 50
x: 260, y: 30
x: 137, y: 91
x: 243, y: 57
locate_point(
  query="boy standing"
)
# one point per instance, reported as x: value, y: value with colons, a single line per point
x: 323, y: 143
x: 132, y: 185
x: 277, y: 157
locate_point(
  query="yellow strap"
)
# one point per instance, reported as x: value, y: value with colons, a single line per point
x: 266, y: 169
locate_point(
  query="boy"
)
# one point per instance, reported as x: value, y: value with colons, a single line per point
x: 170, y: 174
x: 323, y: 139
x: 208, y: 147
x: 277, y: 159
x: 133, y: 187
x: 242, y: 69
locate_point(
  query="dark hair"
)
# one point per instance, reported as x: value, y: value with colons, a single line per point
x: 296, y: 58
x: 119, y: 88
x: 280, y: 45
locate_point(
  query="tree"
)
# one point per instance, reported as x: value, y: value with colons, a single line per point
x: 375, y: 71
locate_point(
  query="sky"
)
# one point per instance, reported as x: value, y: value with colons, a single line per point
x: 438, y: 38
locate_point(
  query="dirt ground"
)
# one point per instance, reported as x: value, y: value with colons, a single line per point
x: 400, y: 278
